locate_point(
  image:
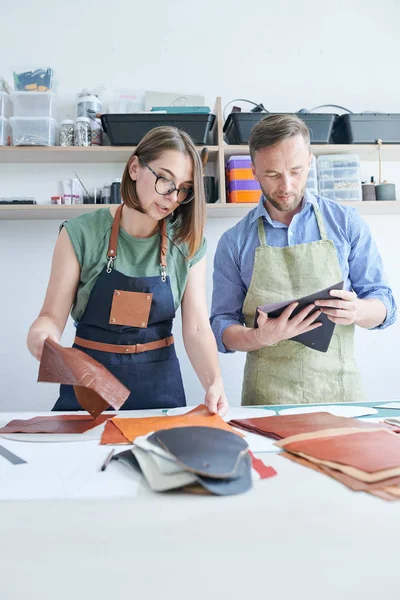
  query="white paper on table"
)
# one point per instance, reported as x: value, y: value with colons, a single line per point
x: 337, y: 409
x: 68, y: 471
x: 258, y: 443
x: 234, y: 412
x: 395, y: 405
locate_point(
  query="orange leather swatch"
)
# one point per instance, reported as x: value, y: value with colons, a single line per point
x: 278, y: 427
x: 95, y: 387
x: 56, y: 424
x: 112, y: 435
x: 132, y: 428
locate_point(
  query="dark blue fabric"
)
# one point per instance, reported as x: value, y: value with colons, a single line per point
x: 154, y: 377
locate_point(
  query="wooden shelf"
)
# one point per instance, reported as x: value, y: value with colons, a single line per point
x: 50, y: 211
x: 365, y: 151
x: 75, y: 154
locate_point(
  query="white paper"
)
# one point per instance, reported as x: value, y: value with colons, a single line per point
x: 338, y: 410
x: 395, y: 405
x: 68, y: 471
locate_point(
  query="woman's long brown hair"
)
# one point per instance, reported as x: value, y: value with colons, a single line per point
x: 188, y: 219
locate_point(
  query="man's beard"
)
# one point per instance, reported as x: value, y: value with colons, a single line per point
x: 288, y: 207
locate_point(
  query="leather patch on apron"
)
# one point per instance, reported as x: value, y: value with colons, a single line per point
x: 130, y: 308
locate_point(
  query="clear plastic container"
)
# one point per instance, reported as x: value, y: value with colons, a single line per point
x: 33, y: 80
x: 34, y: 104
x: 5, y: 105
x: 34, y: 131
x: 5, y: 132
x: 339, y: 177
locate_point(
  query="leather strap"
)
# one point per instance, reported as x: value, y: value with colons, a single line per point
x: 163, y: 243
x: 112, y: 246
x: 117, y: 349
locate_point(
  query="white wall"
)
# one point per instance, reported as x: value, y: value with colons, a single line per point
x: 287, y: 55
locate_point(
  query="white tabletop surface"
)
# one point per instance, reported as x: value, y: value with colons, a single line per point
x: 297, y: 535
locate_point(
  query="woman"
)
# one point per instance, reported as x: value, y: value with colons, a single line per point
x: 126, y: 269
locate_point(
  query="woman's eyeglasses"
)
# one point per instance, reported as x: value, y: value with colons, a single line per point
x: 164, y: 186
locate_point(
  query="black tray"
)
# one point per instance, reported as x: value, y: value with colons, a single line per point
x: 128, y: 130
x: 237, y: 126
x: 367, y: 128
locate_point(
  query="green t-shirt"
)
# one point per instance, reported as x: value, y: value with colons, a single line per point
x: 136, y: 257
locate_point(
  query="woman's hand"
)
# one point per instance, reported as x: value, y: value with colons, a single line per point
x: 215, y: 400
x: 35, y: 341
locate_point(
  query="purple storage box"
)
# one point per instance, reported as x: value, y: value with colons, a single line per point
x: 239, y: 162
x: 243, y: 184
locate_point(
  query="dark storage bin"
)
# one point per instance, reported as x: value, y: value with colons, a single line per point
x: 237, y: 126
x: 367, y: 129
x: 210, y: 188
x: 128, y: 130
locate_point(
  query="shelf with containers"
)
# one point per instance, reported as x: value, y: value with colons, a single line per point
x: 219, y: 152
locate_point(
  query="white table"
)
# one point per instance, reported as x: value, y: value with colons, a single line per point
x: 296, y: 535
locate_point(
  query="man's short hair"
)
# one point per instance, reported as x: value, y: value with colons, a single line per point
x: 276, y: 128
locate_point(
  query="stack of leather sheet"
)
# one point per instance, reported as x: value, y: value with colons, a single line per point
x: 363, y: 460
x: 363, y: 456
x: 278, y: 427
x: 196, y: 459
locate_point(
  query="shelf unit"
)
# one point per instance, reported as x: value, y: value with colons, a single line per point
x: 218, y: 153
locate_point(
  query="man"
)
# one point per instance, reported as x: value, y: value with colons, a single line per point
x: 291, y: 245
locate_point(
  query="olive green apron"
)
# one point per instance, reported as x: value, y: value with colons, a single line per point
x: 291, y: 373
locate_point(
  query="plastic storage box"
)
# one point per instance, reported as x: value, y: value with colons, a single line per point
x: 34, y: 104
x: 312, y: 181
x: 339, y: 177
x: 5, y: 132
x: 367, y: 129
x: 34, y: 131
x: 35, y: 80
x: 128, y: 130
x: 237, y: 126
x: 239, y: 162
x: 5, y: 105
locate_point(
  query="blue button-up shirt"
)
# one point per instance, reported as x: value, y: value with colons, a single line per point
x: 358, y: 256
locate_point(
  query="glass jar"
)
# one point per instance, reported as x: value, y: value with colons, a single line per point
x: 82, y: 132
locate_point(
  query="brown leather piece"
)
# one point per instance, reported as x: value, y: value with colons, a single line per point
x: 163, y: 243
x: 278, y: 427
x: 133, y: 428
x: 354, y: 484
x: 368, y: 451
x: 56, y: 424
x: 134, y: 349
x: 112, y: 435
x: 97, y: 387
x: 130, y: 308
x: 112, y: 245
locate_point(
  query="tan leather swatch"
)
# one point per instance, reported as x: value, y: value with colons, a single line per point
x: 95, y: 387
x: 132, y: 428
x: 130, y: 308
x: 56, y: 424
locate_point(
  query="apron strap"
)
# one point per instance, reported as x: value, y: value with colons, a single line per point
x: 262, y: 236
x: 113, y: 243
x: 163, y: 249
x: 320, y: 222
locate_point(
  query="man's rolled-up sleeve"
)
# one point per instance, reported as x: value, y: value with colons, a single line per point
x: 229, y: 291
